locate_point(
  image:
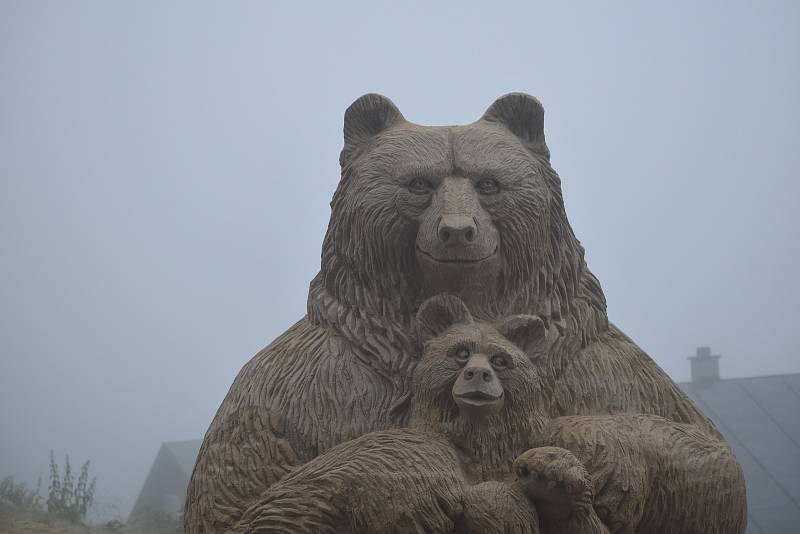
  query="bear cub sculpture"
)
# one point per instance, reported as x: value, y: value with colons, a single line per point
x: 473, y: 413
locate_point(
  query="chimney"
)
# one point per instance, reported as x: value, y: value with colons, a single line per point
x: 705, y: 366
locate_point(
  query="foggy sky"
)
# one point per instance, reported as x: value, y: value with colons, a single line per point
x: 166, y: 168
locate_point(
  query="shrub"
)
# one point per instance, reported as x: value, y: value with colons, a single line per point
x: 18, y: 494
x: 66, y: 498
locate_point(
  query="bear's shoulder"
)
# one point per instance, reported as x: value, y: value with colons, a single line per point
x: 612, y: 374
x: 314, y: 386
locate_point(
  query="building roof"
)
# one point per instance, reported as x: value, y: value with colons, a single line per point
x: 760, y: 419
x: 164, y: 489
x: 185, y: 453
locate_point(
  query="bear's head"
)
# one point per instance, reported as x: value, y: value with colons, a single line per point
x: 472, y: 210
x: 474, y: 374
x: 478, y: 384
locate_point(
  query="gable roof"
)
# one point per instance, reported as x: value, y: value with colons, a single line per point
x: 185, y: 453
x: 164, y: 489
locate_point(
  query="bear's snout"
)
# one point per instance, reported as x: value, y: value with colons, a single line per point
x: 478, y: 373
x: 456, y: 230
x: 477, y: 390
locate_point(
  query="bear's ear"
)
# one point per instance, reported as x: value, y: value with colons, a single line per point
x: 523, y: 115
x: 525, y: 331
x: 364, y: 119
x: 439, y: 313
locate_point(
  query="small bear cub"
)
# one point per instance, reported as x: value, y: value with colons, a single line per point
x: 477, y: 406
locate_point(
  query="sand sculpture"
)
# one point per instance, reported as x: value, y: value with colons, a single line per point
x: 474, y: 212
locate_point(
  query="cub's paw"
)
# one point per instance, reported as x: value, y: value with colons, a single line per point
x: 556, y: 481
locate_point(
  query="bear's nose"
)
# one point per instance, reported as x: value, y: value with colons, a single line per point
x: 457, y: 230
x: 477, y: 373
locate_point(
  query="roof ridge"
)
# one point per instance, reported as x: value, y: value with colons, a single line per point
x: 735, y: 378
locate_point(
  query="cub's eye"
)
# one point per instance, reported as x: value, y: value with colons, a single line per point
x: 462, y: 354
x: 419, y: 186
x: 488, y: 186
x: 499, y: 361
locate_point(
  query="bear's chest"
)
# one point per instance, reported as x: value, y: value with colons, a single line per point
x: 349, y: 392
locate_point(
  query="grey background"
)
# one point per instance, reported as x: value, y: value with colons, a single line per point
x: 166, y: 168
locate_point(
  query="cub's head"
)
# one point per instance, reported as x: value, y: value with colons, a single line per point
x: 472, y: 210
x: 472, y: 370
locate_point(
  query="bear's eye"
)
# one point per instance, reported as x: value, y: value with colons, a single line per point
x: 499, y: 361
x: 419, y: 186
x: 462, y: 354
x: 488, y: 186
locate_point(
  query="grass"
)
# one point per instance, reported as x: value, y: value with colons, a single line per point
x: 15, y: 519
x: 22, y: 510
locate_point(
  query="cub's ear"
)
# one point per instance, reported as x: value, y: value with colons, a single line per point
x: 525, y: 331
x: 364, y: 119
x: 523, y: 115
x: 439, y: 313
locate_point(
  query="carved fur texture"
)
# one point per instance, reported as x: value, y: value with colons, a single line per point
x: 477, y: 211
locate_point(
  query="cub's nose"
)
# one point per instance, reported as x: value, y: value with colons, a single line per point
x: 457, y: 230
x: 476, y: 374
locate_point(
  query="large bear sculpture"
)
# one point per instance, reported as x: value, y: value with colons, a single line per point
x: 476, y: 211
